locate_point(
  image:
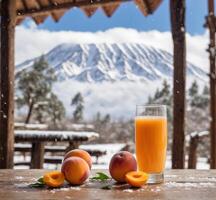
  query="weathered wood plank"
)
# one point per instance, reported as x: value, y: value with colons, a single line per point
x: 177, y: 8
x: 179, y: 184
x: 212, y: 50
x: 8, y: 20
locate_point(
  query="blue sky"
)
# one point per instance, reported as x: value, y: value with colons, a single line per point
x: 129, y: 16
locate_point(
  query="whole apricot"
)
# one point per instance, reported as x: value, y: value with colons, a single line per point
x: 54, y: 179
x: 80, y: 153
x: 136, y: 178
x: 120, y: 164
x: 75, y: 170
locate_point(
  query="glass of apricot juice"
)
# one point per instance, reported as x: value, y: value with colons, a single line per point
x: 151, y: 140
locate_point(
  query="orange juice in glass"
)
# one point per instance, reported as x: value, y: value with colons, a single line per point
x: 151, y: 140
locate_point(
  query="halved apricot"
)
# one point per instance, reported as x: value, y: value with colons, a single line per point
x: 136, y: 178
x: 54, y: 179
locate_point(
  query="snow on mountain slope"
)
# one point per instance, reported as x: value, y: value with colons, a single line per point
x: 112, y: 62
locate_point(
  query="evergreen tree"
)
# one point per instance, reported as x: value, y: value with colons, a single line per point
x: 55, y: 111
x: 194, y: 89
x: 97, y: 122
x: 204, y: 98
x: 98, y: 116
x: 79, y: 103
x: 106, y: 119
x: 166, y: 94
x: 35, y: 90
x: 193, y: 94
x: 206, y: 90
x: 150, y: 100
x: 198, y: 100
x: 163, y: 96
x: 157, y: 94
x: 165, y: 89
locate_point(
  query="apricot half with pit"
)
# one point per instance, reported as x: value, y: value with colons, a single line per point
x: 136, y: 178
x: 54, y: 179
x: 120, y: 164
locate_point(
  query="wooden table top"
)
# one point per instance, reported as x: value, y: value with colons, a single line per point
x: 179, y: 184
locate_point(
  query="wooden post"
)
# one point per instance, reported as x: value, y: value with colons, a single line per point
x: 192, y: 159
x: 177, y: 9
x: 8, y: 17
x: 212, y: 30
x: 37, y: 155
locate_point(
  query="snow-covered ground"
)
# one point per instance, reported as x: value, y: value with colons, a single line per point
x: 103, y: 161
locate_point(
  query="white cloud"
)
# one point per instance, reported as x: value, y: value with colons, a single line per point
x: 32, y: 42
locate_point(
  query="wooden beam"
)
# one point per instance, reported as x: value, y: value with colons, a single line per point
x: 63, y: 6
x: 177, y: 9
x: 8, y: 20
x: 212, y: 77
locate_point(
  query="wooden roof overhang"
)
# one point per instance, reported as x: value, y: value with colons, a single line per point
x: 39, y: 10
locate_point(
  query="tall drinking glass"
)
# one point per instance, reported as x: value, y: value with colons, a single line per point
x: 151, y: 140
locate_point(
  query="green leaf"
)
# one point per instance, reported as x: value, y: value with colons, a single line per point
x: 40, y: 180
x: 100, y: 176
x: 38, y: 184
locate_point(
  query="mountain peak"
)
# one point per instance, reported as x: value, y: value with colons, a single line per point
x: 112, y: 62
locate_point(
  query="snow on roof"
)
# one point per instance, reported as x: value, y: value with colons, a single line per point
x: 30, y: 135
x: 30, y: 126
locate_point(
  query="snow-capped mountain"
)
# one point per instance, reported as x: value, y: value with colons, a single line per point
x: 112, y: 62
